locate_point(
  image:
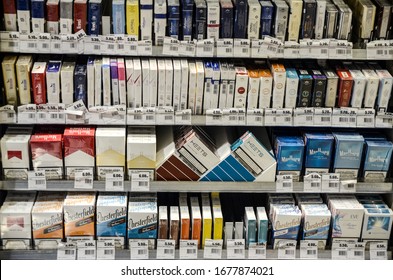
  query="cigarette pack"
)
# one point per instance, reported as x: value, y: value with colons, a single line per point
x: 115, y: 82
x: 359, y: 87
x: 266, y: 88
x: 90, y: 72
x: 385, y: 88
x: 213, y: 19
x: 316, y: 221
x: 9, y: 78
x: 187, y: 14
x: 254, y: 19
x: 185, y: 222
x: 153, y: 82
x: 80, y: 15
x: 66, y: 16
x: 286, y: 222
x: 200, y: 20
x: 279, y: 81
x: 345, y: 22
x: 98, y: 81
x: 364, y: 14
x: 348, y: 155
x: 110, y: 150
x: 267, y: 11
x: 226, y: 19
x: 223, y: 85
x: 160, y: 10
x: 372, y: 86
x: 145, y: 67
x: 192, y: 83
x: 289, y: 151
x: 168, y: 82
x: 132, y: 18
x: 253, y: 88
x: 142, y: 217
x: 330, y: 20
x: 79, y: 214
x: 217, y: 221
x: 67, y: 82
x: 9, y: 8
x: 146, y: 19
x: 262, y: 225
x: 106, y: 81
x: 231, y: 86
x: 331, y: 88
x: 308, y: 19
x: 305, y: 88
x: 38, y: 16
x: 23, y: 68
x: 161, y: 82
x: 199, y: 87
x: 174, y: 225
x: 52, y: 16
x: 118, y: 16
x: 292, y: 85
x: 130, y: 84
x: 214, y: 98
x: 106, y: 18
x: 112, y: 216
x: 196, y: 220
x: 80, y: 83
x: 241, y: 87
x: 184, y: 84
x: 383, y: 14
x: 173, y: 18
x: 377, y: 159
x: 176, y: 84
x: 250, y: 222
x: 79, y: 150
x: 163, y: 222
x: 345, y: 87
x: 47, y: 154
x: 38, y: 82
x: 377, y: 222
x: 240, y: 19
x: 207, y: 224
x: 295, y: 18
x: 319, y: 89
x: 23, y: 14
x: 15, y: 155
x: 281, y: 20
x: 94, y: 17
x: 53, y: 81
x: 319, y: 151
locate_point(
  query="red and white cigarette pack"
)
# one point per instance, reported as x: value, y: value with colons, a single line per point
x: 38, y: 82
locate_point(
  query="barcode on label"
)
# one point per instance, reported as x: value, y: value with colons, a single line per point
x: 97, y: 47
x: 311, y: 252
x: 12, y: 44
x: 358, y: 253
x: 308, y: 118
x: 232, y: 118
x: 215, y: 251
x: 133, y: 48
x: 56, y: 46
x: 185, y: 117
x: 117, y: 183
x: 10, y: 115
x: 189, y: 49
x: 53, y: 116
x: 343, y: 119
x: 137, y: 117
x: 258, y: 119
x: 191, y: 251
x: 207, y: 49
x: 280, y: 50
x: 339, y: 51
x: 324, y: 51
x: 216, y: 117
x: 315, y: 184
x: 72, y: 45
x: 351, y: 186
x: 69, y: 252
x: 41, y: 116
x: 120, y: 47
x: 173, y: 48
x: 89, y: 252
x: 241, y: 118
x: 381, y: 254
x: 325, y: 119
x: 289, y: 252
x: 272, y: 49
x: 111, y: 47
x: 40, y: 182
x: 142, y: 252
x: 149, y: 118
x: 228, y: 50
x: 31, y: 116
x: 244, y: 50
x: 45, y: 46
x: 168, y: 251
x: 286, y: 185
x: 108, y: 252
x: 380, y: 52
x: 368, y: 120
x: 260, y: 251
x: 168, y: 118
x: 287, y: 119
x: 143, y: 184
x: 386, y: 120
x: 88, y: 181
x: 61, y: 116
x: 31, y: 45
x: 333, y: 185
x: 352, y: 120
x: 238, y: 251
x: 342, y: 253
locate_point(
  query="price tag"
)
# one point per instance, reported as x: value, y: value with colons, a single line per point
x: 188, y: 249
x: 69, y: 43
x: 213, y: 249
x: 27, y: 114
x: 241, y: 116
x: 149, y: 115
x: 225, y: 48
x: 357, y: 251
x: 75, y: 113
x: 236, y: 248
x: 145, y: 47
x: 378, y: 251
x: 66, y: 251
x: 241, y: 47
x: 43, y: 43
x: 183, y: 117
x: 187, y: 48
x: 87, y: 250
x: 384, y: 120
x: 284, y: 183
x: 36, y: 180
x: 303, y: 116
x: 308, y: 249
x: 214, y: 116
x: 205, y: 48
x: 283, y: 117
x: 348, y: 186
x: 340, y: 49
x: 257, y: 251
x: 165, y: 249
x: 270, y: 46
x: 92, y: 45
x: 130, y: 45
x: 340, y: 250
x: 305, y: 47
x: 55, y: 113
x: 331, y: 183
x: 254, y: 117
x: 114, y: 181
x: 171, y: 46
x: 313, y: 182
x: 7, y: 114
x: 139, y: 249
x: 230, y: 116
x: 134, y: 116
x: 165, y: 115
x: 120, y: 39
x: 109, y: 44
x: 257, y: 49
x: 291, y: 49
x: 28, y: 42
x: 55, y: 43
x: 376, y: 50
x: 140, y: 181
x: 365, y: 118
x: 344, y: 117
x: 322, y: 117
x: 9, y: 41
x: 320, y: 48
x: 287, y: 250
x: 105, y: 250
x: 83, y: 179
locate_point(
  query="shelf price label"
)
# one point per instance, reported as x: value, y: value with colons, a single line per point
x: 340, y: 49
x: 183, y: 117
x: 309, y: 249
x: 213, y: 249
x: 356, y: 251
x: 303, y: 116
x: 257, y: 49
x: 145, y: 47
x: 134, y: 115
x: 188, y: 249
x: 319, y: 48
x: 171, y: 46
x: 139, y: 249
x: 43, y: 43
x: 270, y: 46
x: 66, y: 251
x: 165, y: 115
x: 36, y: 180
x: 149, y: 115
x: 312, y: 182
x: 378, y: 251
x: 230, y: 116
x: 340, y: 250
x: 76, y: 113
x: 187, y: 48
x: 322, y: 117
x: 92, y: 45
x: 257, y: 251
x: 83, y: 179
x: 28, y: 43
x: 7, y: 114
x: 214, y: 116
x: 114, y: 181
x: 287, y: 249
x: 331, y: 183
x: 69, y: 43
x: 130, y: 45
x: 27, y: 114
x: 236, y: 249
x: 225, y: 48
x: 344, y: 117
x: 278, y: 117
x: 105, y: 250
x: 284, y: 183
x: 291, y: 49
x: 109, y: 44
x: 140, y: 181
x: 120, y: 39
x: 165, y: 249
x: 365, y: 118
x: 205, y: 48
x: 87, y: 250
x: 254, y: 117
x: 380, y: 49
x: 348, y: 186
x: 55, y: 43
x: 9, y: 41
x: 384, y: 120
x: 241, y: 47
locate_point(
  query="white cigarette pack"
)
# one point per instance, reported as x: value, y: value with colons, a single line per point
x: 130, y: 86
x: 176, y: 84
x: 15, y: 155
x: 385, y: 88
x: 279, y: 81
x: 168, y: 82
x: 153, y: 79
x: 145, y: 82
x: 231, y: 86
x: 9, y: 78
x: 359, y: 87
x: 224, y: 81
x: 216, y: 85
x: 121, y: 73
x: 291, y: 88
x: 331, y: 88
x: 137, y: 82
x: 213, y: 19
x: 159, y: 21
x: 254, y: 19
x: 66, y: 16
x: 184, y: 84
x: 199, y: 87
x: 146, y: 19
x: 241, y: 87
x: 90, y: 82
x: 371, y: 88
x: 106, y: 81
x: 161, y: 82
x: 141, y: 148
x: 23, y: 69
x: 208, y: 86
x: 97, y: 82
x: 192, y: 82
x: 53, y: 81
x: 67, y: 82
x: 320, y: 19
x: 114, y: 82
x: 23, y: 16
x: 295, y: 17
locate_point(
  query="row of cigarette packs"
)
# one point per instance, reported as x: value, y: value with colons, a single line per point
x: 195, y: 84
x: 195, y: 154
x: 289, y: 20
x: 118, y: 216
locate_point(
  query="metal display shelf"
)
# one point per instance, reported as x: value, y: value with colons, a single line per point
x: 124, y: 254
x: 165, y: 186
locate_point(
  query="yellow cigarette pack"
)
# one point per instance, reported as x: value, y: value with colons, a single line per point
x: 9, y: 78
x: 132, y: 18
x: 207, y: 224
x: 217, y: 222
x: 23, y: 69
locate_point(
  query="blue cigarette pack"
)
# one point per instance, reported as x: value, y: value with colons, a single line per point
x: 289, y: 153
x: 241, y: 17
x: 80, y: 83
x: 187, y: 14
x: 118, y: 16
x: 226, y: 19
x: 38, y: 9
x: 94, y: 18
x: 267, y: 11
x: 23, y: 5
x: 319, y: 150
x: 377, y: 159
x: 173, y: 18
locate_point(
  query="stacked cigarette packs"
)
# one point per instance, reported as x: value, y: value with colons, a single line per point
x: 286, y: 220
x: 184, y: 217
x: 319, y: 152
x: 377, y: 159
x: 142, y: 216
x: 316, y: 221
x: 9, y: 8
x: 174, y: 224
x: 289, y: 152
x: 196, y: 220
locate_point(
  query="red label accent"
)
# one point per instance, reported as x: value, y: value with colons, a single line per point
x: 17, y: 154
x: 241, y: 90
